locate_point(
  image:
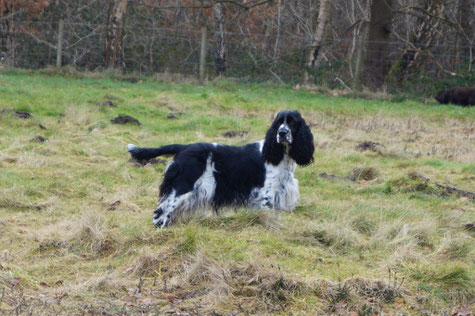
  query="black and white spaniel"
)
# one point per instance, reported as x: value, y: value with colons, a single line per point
x: 259, y: 175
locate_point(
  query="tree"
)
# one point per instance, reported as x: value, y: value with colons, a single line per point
x: 114, y: 54
x: 465, y: 38
x: 219, y: 34
x: 427, y: 22
x: 9, y: 9
x: 315, y: 53
x: 377, y: 46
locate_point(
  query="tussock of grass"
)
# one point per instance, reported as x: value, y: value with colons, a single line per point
x: 90, y: 235
x: 242, y: 219
x: 456, y: 246
x: 220, y: 282
x: 366, y: 173
x: 338, y: 236
x: 450, y: 281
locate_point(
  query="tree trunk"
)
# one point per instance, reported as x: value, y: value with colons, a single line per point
x: 359, y: 54
x: 203, y: 54
x: 7, y: 34
x: 114, y: 55
x: 465, y: 34
x: 377, y: 62
x: 315, y: 54
x: 219, y: 31
x: 59, y: 46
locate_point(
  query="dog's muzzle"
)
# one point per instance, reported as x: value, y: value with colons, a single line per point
x: 284, y: 136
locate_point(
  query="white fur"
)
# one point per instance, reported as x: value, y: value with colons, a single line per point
x: 261, y: 145
x: 131, y: 147
x: 281, y: 189
x: 200, y: 198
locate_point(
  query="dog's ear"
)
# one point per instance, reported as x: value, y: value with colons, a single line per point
x: 302, y: 146
x: 443, y: 97
x: 272, y: 151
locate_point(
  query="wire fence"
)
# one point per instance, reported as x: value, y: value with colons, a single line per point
x: 249, y: 56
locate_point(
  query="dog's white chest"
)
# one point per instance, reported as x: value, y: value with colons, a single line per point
x: 281, y: 190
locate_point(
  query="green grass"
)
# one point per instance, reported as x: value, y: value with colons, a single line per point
x: 60, y: 237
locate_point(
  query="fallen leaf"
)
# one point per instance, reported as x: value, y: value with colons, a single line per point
x: 400, y: 302
x: 44, y: 284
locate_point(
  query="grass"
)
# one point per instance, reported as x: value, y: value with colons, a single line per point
x: 382, y: 238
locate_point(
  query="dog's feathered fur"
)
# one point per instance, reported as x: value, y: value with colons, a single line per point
x: 259, y: 175
x: 464, y: 96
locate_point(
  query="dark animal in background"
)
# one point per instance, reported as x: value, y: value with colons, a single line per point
x: 210, y: 176
x: 464, y: 96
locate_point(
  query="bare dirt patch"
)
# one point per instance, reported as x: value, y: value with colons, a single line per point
x: 369, y: 145
x: 232, y: 134
x: 38, y: 139
x: 174, y: 115
x: 125, y: 119
x: 17, y: 113
x: 106, y: 103
x: 145, y: 162
x: 363, y: 173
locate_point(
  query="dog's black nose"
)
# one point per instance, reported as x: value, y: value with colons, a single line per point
x: 159, y: 223
x: 283, y: 133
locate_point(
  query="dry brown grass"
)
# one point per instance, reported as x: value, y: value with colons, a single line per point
x: 75, y: 215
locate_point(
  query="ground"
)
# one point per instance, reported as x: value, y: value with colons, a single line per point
x: 377, y: 230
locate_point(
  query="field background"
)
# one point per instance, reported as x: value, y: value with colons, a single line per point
x: 380, y: 236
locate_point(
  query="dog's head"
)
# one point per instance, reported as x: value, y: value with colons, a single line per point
x: 443, y: 97
x: 289, y: 133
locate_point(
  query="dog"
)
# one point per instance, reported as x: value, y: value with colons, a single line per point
x: 464, y: 96
x: 211, y: 176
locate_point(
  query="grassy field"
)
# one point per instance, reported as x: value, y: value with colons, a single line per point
x: 374, y: 235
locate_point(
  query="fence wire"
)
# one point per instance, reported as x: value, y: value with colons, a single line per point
x: 253, y: 57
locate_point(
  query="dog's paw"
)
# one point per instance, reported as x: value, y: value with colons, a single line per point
x: 267, y: 204
x: 161, y: 220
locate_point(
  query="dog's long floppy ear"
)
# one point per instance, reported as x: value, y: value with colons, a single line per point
x: 272, y: 151
x: 443, y: 97
x: 302, y: 146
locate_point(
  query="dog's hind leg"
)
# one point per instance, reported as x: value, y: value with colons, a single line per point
x: 169, y: 208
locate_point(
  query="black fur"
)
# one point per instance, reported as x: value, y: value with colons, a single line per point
x: 238, y: 170
x: 301, y: 149
x: 464, y: 96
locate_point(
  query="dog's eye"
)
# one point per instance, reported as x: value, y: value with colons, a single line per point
x: 289, y: 119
